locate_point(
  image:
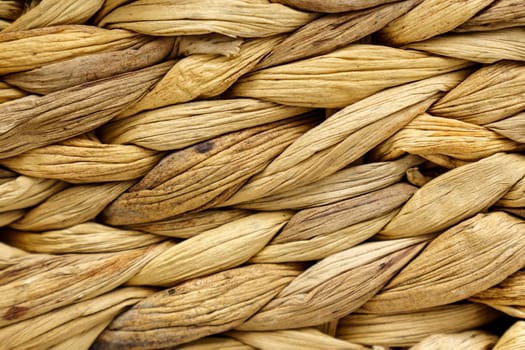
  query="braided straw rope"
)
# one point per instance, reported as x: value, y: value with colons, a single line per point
x: 254, y: 174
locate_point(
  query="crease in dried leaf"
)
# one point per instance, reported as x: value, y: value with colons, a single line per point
x: 191, y: 224
x: 313, y: 234
x: 89, y: 67
x: 428, y: 135
x: 60, y: 280
x: 344, y: 184
x: 335, y: 286
x: 207, y: 44
x: 203, y: 76
x: 71, y: 206
x: 510, y: 127
x: 52, y: 12
x: 483, y: 47
x: 391, y: 330
x: 31, y: 122
x: 490, y: 94
x: 235, y: 18
x: 469, y: 340
x: 57, y: 326
x: 215, y: 250
x: 453, y: 196
x: 89, y: 237
x: 57, y: 43
x: 84, y: 160
x: 499, y: 14
x: 515, y: 197
x: 185, y: 124
x: 508, y: 296
x: 430, y: 18
x: 466, y: 259
x: 24, y: 192
x: 294, y: 339
x: 332, y: 5
x: 331, y: 32
x: 204, y: 175
x: 342, y: 77
x: 196, y: 308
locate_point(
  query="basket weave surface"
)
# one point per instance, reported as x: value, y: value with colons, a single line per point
x: 254, y: 174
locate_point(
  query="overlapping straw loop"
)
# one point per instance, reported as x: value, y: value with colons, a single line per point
x: 255, y: 174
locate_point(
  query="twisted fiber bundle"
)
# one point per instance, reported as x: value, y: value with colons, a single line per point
x: 255, y: 174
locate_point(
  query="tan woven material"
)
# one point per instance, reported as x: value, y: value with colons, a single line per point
x: 262, y: 174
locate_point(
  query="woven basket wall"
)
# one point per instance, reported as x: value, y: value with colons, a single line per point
x: 254, y: 174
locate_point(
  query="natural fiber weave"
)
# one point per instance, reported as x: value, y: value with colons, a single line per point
x: 262, y: 174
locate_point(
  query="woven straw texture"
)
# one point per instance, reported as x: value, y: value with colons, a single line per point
x: 262, y: 174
